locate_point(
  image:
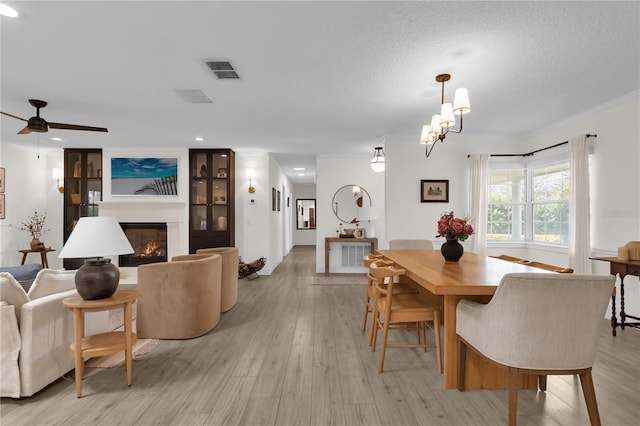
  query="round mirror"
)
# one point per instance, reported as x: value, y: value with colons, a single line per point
x: 347, y: 202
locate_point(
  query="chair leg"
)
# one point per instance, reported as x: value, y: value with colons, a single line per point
x: 375, y: 323
x: 542, y: 383
x: 462, y: 363
x: 436, y: 333
x: 385, y: 334
x: 590, y: 397
x: 513, y: 396
x: 366, y: 312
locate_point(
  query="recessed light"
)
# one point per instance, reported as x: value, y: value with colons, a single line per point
x: 199, y: 139
x: 8, y: 11
x: 300, y: 174
x: 57, y: 139
x: 298, y: 168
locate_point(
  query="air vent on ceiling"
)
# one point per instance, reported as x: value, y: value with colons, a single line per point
x: 223, y: 69
x: 195, y: 96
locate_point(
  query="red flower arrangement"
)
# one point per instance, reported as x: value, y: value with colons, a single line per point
x: 454, y: 227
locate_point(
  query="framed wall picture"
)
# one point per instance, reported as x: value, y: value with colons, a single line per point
x: 278, y: 201
x: 2, y: 185
x: 434, y: 191
x: 144, y: 176
x: 273, y: 199
x: 1, y: 206
x: 360, y: 233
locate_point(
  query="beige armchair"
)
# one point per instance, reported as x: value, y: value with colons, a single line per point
x: 538, y: 323
x: 180, y: 299
x: 229, y: 289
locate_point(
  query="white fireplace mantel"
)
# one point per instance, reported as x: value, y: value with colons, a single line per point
x: 144, y: 210
x: 174, y: 213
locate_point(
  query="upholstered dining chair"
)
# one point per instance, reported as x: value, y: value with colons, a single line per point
x: 391, y: 308
x: 410, y: 245
x: 537, y: 323
x: 370, y: 295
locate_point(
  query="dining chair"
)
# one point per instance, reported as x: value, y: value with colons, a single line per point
x: 368, y: 302
x: 410, y: 245
x: 540, y: 324
x: 391, y: 308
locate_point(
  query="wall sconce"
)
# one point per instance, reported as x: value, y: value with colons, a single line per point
x: 251, y: 174
x: 58, y: 174
x: 377, y: 162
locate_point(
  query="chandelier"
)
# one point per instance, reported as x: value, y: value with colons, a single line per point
x: 443, y: 123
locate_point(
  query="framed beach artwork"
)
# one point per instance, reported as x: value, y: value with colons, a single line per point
x: 434, y: 191
x: 144, y: 176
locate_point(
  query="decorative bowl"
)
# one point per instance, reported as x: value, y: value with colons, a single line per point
x: 349, y: 231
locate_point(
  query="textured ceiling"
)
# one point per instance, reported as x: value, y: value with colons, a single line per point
x: 317, y: 78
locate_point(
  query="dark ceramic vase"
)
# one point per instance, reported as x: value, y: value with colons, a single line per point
x: 452, y: 250
x: 97, y: 279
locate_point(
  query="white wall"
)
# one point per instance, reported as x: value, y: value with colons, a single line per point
x: 303, y: 237
x: 332, y: 174
x: 29, y: 187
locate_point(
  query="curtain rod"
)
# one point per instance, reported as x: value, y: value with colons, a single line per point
x: 528, y: 154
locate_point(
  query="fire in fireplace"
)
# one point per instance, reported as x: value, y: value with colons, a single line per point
x: 149, y: 242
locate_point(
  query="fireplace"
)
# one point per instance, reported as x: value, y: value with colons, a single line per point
x: 149, y: 242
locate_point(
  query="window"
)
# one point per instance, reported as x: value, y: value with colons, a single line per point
x: 550, y: 203
x: 529, y: 203
x: 506, y: 216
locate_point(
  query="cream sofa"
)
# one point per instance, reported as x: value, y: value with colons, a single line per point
x: 36, y: 330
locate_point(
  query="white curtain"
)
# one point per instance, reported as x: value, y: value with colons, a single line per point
x: 478, y: 192
x: 579, y: 215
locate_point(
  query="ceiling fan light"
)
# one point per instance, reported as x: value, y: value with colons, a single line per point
x: 461, y: 104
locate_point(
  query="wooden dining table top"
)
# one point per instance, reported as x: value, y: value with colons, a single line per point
x: 472, y: 275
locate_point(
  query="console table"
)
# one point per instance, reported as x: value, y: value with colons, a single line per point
x: 327, y: 247
x: 623, y: 268
x: 103, y: 343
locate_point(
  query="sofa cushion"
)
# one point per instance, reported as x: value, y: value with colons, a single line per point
x: 24, y: 274
x: 12, y: 292
x: 50, y: 281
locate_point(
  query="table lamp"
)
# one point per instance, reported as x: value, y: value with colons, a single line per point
x: 367, y: 214
x: 91, y: 239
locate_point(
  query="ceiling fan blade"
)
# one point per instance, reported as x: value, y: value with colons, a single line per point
x: 14, y: 116
x: 24, y: 131
x: 76, y: 127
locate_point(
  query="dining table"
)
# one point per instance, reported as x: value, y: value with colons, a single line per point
x: 473, y: 277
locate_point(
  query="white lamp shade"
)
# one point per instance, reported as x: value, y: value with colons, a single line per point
x: 366, y: 213
x: 447, y: 119
x: 435, y: 124
x: 251, y: 173
x: 377, y: 164
x: 425, y: 135
x: 461, y: 103
x: 96, y: 236
x: 57, y: 173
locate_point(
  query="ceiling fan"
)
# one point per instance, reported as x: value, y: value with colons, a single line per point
x: 39, y: 124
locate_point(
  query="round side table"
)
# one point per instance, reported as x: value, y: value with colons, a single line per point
x: 103, y: 343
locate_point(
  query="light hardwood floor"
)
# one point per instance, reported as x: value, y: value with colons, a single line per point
x: 292, y: 353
